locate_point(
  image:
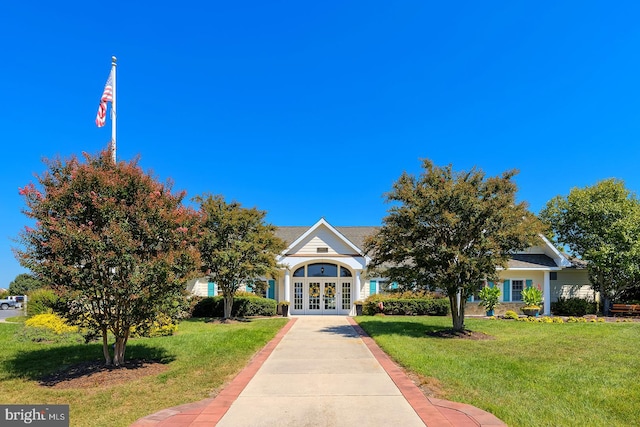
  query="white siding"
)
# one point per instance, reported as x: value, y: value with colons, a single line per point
x: 364, y: 290
x: 200, y: 287
x: 572, y: 283
x: 322, y: 239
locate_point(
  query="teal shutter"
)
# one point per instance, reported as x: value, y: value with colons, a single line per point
x: 506, y: 291
x: 211, y: 289
x: 248, y: 288
x: 529, y: 283
x: 271, y: 292
x: 372, y: 287
x: 470, y: 299
x: 394, y: 285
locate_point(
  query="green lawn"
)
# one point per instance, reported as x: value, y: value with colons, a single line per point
x: 200, y: 358
x: 530, y: 374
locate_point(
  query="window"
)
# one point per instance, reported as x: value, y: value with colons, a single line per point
x: 516, y: 290
x: 322, y: 270
x: 297, y: 295
x: 475, y: 297
x: 384, y: 286
x: 346, y: 295
x: 260, y: 288
x: 345, y: 272
x: 299, y: 272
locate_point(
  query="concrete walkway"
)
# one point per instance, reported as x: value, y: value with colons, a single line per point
x: 321, y: 371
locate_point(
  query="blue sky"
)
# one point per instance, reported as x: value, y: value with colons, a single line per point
x: 311, y: 109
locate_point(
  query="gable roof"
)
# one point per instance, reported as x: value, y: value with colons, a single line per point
x: 354, y: 234
x: 530, y: 261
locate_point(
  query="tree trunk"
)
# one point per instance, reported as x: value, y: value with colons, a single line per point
x: 604, y: 296
x: 105, y: 346
x: 606, y: 303
x: 457, y: 311
x: 120, y: 348
x: 228, y: 305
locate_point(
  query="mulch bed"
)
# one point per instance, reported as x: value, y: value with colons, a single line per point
x: 97, y: 374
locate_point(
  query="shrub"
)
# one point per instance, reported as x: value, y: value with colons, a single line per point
x: 510, y: 314
x: 403, y: 294
x: 573, y: 307
x: 51, y: 322
x: 391, y: 304
x: 243, y: 306
x: 207, y: 307
x: 532, y: 296
x: 254, y: 306
x: 43, y: 300
x: 163, y: 326
x: 193, y: 300
x: 490, y: 297
x: 244, y: 294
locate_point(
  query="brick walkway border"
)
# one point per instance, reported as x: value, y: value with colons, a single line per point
x: 208, y: 412
x: 433, y: 412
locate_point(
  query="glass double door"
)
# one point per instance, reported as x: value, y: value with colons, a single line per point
x: 322, y: 297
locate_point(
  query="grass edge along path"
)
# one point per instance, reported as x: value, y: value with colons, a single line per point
x: 529, y: 373
x: 200, y: 358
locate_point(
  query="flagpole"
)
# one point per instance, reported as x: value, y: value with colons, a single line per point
x: 113, y: 110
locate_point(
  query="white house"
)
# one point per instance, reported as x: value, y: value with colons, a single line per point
x: 324, y: 271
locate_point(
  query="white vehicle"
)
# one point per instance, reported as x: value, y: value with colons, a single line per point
x: 6, y: 303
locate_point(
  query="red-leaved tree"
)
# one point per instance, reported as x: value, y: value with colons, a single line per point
x: 114, y: 242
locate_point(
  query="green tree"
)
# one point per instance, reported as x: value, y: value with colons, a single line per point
x: 601, y: 225
x: 450, y: 230
x: 236, y: 245
x: 23, y: 283
x: 112, y: 241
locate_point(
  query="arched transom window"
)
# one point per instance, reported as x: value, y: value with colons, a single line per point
x: 321, y: 269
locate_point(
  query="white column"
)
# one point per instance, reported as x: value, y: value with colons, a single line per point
x: 356, y: 295
x: 287, y: 285
x: 546, y: 294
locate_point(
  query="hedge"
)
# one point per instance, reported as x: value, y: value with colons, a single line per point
x: 243, y: 306
x: 406, y: 306
x: 573, y: 307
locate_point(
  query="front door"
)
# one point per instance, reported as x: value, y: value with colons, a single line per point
x: 322, y: 297
x: 330, y: 297
x: 321, y: 288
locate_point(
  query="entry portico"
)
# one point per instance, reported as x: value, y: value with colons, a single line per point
x: 322, y: 268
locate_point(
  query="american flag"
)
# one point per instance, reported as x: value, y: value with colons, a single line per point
x: 107, y: 96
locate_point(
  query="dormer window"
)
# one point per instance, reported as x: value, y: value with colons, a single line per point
x: 322, y: 250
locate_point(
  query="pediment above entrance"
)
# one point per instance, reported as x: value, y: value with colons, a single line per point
x: 320, y: 241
